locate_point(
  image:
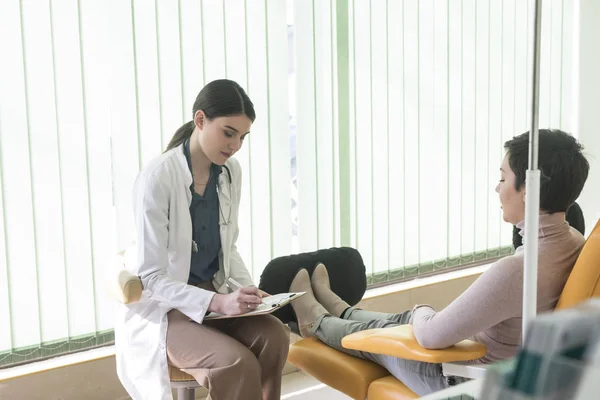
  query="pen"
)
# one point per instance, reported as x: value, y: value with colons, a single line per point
x: 237, y: 285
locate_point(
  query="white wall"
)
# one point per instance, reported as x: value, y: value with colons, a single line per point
x: 589, y: 101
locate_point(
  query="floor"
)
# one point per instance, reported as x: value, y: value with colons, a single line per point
x: 299, y: 386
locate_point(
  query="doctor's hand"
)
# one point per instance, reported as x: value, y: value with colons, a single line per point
x: 239, y: 302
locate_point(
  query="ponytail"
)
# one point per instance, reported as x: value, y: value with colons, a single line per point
x: 218, y: 98
x: 182, y: 134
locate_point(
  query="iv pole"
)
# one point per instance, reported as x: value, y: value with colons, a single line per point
x: 532, y: 184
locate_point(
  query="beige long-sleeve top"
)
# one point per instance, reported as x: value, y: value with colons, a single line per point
x: 490, y: 310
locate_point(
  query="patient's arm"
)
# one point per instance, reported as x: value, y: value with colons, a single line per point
x: 494, y: 297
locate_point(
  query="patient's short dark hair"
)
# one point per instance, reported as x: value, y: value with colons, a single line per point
x: 564, y: 168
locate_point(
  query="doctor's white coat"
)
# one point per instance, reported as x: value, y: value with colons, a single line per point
x: 161, y: 258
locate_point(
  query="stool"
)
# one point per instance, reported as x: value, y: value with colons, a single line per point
x: 185, y: 384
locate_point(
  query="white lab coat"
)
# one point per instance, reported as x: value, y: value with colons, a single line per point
x: 161, y: 258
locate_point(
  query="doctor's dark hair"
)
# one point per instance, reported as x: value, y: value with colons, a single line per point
x: 218, y: 98
x: 563, y: 167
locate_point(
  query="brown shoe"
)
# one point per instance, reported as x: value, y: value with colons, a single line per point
x: 306, y: 308
x: 323, y: 293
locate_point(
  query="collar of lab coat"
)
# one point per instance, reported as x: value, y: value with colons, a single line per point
x: 225, y: 186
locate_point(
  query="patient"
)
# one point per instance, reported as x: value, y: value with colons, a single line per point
x: 489, y: 311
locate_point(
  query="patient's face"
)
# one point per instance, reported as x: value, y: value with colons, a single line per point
x: 512, y: 201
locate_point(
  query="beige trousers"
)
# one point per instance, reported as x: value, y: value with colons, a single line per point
x: 236, y: 358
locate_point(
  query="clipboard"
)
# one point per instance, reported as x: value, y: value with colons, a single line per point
x: 270, y: 303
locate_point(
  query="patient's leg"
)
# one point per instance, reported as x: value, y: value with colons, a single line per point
x: 420, y: 377
x: 339, y: 308
x: 321, y: 288
x: 331, y: 331
x: 306, y: 308
x: 356, y: 314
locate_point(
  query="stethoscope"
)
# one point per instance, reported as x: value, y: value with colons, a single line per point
x: 219, y: 183
x: 222, y: 221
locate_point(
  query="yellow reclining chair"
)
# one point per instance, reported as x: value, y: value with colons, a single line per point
x: 362, y: 379
x: 127, y: 289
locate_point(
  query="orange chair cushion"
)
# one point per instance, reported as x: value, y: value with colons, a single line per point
x: 584, y: 280
x: 341, y: 371
x: 400, y: 342
x: 177, y: 375
x: 390, y: 388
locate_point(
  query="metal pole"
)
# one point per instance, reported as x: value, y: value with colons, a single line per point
x: 532, y: 186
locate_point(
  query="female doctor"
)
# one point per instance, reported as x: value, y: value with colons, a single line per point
x: 186, y: 204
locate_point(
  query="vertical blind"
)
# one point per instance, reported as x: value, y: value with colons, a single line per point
x: 173, y: 50
x: 405, y: 109
x: 396, y: 112
x: 57, y: 225
x: 90, y: 92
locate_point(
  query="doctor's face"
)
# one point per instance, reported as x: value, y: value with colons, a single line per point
x: 512, y: 201
x: 221, y: 137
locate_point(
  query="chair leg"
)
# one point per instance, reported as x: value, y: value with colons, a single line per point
x: 186, y: 394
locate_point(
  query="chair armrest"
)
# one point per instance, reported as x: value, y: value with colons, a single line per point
x: 400, y: 342
x: 126, y: 288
